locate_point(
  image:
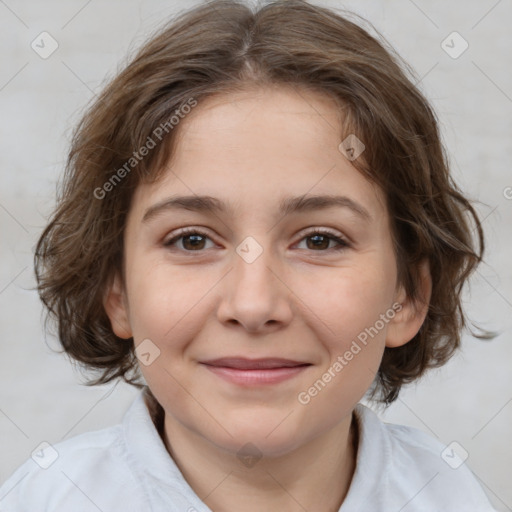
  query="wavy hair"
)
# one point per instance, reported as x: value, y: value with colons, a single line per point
x: 224, y: 46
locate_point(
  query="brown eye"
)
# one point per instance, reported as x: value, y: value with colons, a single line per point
x: 319, y: 241
x: 192, y: 241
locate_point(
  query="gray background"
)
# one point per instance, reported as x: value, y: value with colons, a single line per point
x: 42, y: 397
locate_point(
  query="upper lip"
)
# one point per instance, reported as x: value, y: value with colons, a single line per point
x: 242, y: 363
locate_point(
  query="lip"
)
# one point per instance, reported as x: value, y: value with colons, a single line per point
x: 255, y: 372
x: 243, y: 363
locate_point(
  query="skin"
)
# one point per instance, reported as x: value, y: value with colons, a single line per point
x: 294, y: 301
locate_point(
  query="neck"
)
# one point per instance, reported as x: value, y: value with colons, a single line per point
x: 315, y: 476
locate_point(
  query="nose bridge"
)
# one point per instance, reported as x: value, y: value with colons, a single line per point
x: 254, y: 295
x: 253, y: 263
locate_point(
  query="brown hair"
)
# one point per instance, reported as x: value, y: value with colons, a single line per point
x: 223, y: 46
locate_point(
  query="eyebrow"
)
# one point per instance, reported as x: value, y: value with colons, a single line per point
x: 287, y: 206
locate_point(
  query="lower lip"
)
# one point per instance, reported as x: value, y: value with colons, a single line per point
x: 256, y: 377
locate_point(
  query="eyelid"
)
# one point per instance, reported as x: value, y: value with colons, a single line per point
x: 324, y: 230
x: 342, y: 240
x: 186, y: 231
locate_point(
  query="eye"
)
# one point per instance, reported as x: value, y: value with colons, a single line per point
x: 193, y: 240
x: 320, y: 240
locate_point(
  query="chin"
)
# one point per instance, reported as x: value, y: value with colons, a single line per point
x: 271, y: 437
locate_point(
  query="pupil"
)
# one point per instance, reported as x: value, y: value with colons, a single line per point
x: 325, y: 239
x: 194, y: 245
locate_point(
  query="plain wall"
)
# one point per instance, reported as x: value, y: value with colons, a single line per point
x: 42, y: 397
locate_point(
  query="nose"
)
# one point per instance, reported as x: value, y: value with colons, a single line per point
x: 255, y: 295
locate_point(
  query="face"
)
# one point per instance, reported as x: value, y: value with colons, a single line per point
x: 252, y: 280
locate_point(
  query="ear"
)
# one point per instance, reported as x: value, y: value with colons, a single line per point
x: 116, y: 307
x: 407, y: 322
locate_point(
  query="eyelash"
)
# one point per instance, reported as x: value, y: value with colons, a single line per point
x: 342, y: 243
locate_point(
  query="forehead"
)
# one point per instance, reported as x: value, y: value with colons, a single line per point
x: 279, y: 120
x: 255, y: 147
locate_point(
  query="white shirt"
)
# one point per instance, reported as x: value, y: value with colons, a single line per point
x: 126, y: 468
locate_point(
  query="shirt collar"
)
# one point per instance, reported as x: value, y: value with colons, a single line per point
x: 372, y: 461
x: 150, y: 456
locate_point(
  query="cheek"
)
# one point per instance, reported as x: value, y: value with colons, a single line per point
x: 352, y: 333
x: 358, y: 310
x: 349, y: 300
x: 162, y: 298
x: 164, y: 308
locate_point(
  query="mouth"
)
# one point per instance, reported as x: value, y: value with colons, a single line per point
x: 255, y: 372
x: 242, y: 363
